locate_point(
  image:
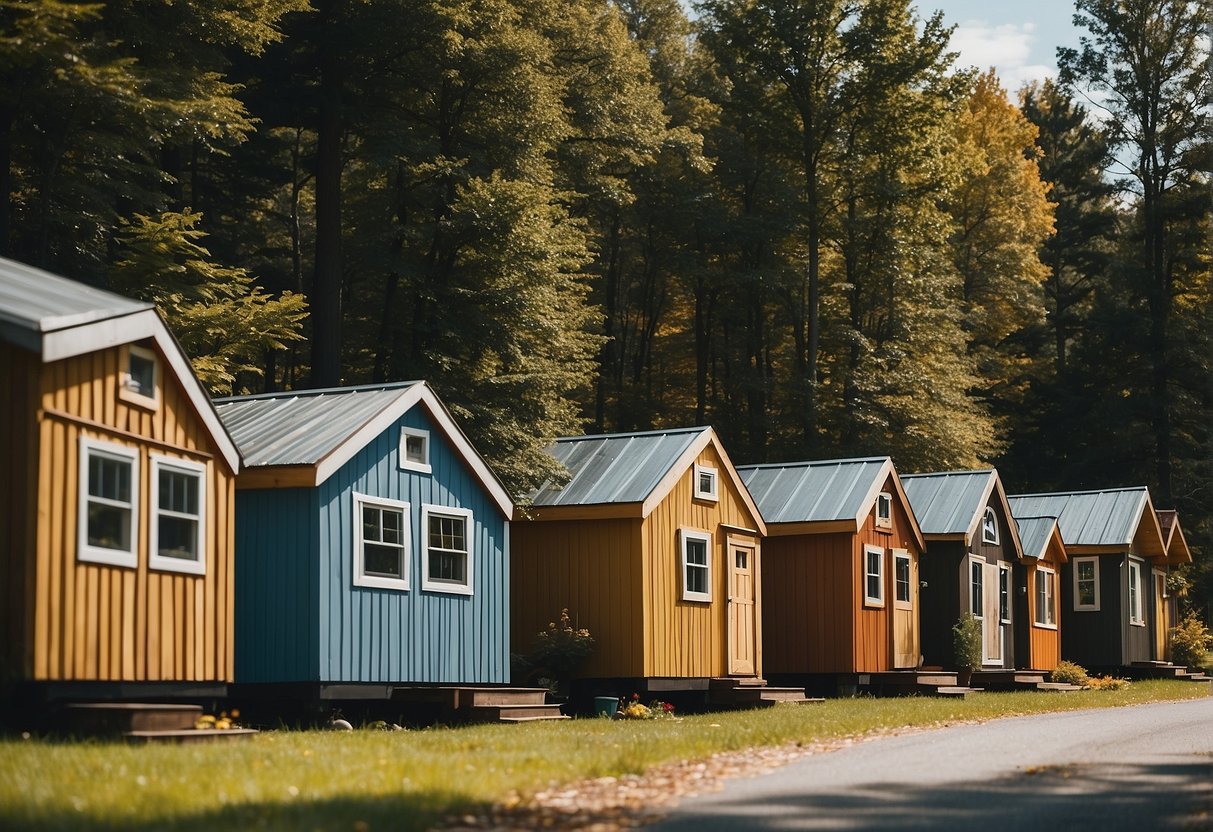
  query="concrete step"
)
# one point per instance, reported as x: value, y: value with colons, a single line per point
x: 913, y: 677
x: 1058, y: 686
x: 500, y: 713
x: 510, y: 719
x: 107, y: 719
x: 954, y: 691
x: 190, y: 735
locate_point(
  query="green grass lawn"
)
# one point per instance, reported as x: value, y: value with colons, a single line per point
x: 371, y: 780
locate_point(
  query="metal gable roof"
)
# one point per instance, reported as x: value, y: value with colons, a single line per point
x: 1088, y: 518
x: 614, y: 468
x: 946, y: 503
x: 36, y: 301
x: 808, y: 492
x: 1034, y: 534
x: 302, y: 427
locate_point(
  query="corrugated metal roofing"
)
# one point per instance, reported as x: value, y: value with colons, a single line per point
x: 303, y: 426
x: 39, y: 301
x: 808, y: 492
x: 614, y: 468
x: 947, y: 502
x: 1034, y: 534
x: 1088, y: 518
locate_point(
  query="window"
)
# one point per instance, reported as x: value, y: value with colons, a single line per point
x: 1004, y: 593
x: 696, y: 548
x: 445, y: 549
x: 705, y: 483
x: 989, y: 527
x: 901, y: 579
x: 140, y: 380
x: 977, y: 588
x: 415, y: 450
x: 382, y: 540
x: 108, y: 503
x: 873, y: 576
x: 178, y: 528
x: 1135, y: 615
x: 884, y: 510
x: 1045, y: 614
x: 1086, y: 583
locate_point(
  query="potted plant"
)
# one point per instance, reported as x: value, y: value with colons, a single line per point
x: 966, y: 648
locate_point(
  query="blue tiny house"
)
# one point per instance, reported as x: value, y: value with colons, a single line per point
x: 372, y: 542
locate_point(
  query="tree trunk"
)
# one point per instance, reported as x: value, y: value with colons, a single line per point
x: 1160, y: 308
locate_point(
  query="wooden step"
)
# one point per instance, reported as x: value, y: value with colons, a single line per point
x: 912, y: 678
x: 190, y: 735
x: 729, y: 682
x: 510, y: 712
x: 954, y: 691
x: 510, y: 719
x: 100, y: 719
x: 496, y: 697
x: 1057, y: 686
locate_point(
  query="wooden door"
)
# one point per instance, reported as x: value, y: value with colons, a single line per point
x: 742, y: 570
x: 905, y: 609
x: 992, y: 621
x: 1160, y: 616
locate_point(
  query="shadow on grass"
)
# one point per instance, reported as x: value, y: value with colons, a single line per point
x: 399, y: 813
x: 1106, y: 796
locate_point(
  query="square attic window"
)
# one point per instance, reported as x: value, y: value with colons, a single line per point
x: 415, y: 450
x: 140, y: 377
x: 706, y: 483
x: 884, y: 510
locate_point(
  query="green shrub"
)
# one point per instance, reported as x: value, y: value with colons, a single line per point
x: 1190, y: 641
x: 1069, y: 673
x: 966, y: 642
x: 1106, y: 683
x: 556, y: 653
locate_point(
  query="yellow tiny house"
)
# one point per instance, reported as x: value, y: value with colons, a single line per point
x: 117, y: 566
x: 654, y: 545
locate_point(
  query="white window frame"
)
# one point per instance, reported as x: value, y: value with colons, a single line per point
x: 469, y: 536
x: 870, y: 600
x: 989, y: 526
x: 1004, y: 574
x: 685, y: 535
x: 1137, y: 615
x: 712, y: 494
x: 980, y: 563
x: 1086, y: 607
x: 401, y: 584
x: 1050, y: 606
x: 155, y: 560
x: 407, y: 464
x: 885, y: 499
x: 125, y: 392
x: 99, y: 554
x: 903, y: 555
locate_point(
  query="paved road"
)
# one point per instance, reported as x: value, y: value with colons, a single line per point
x: 1140, y: 768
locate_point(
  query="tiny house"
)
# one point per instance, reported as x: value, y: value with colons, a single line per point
x: 969, y: 567
x: 654, y: 545
x: 372, y: 544
x: 840, y: 577
x: 1115, y: 550
x: 1166, y: 605
x: 118, y: 486
x: 1037, y: 614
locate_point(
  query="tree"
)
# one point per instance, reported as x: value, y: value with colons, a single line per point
x: 1146, y: 65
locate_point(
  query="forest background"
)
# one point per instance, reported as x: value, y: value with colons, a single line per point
x: 794, y: 220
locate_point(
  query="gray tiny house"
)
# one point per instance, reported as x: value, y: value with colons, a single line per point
x: 973, y: 548
x: 1113, y: 587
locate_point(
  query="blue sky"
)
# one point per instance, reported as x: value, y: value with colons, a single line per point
x: 1019, y: 38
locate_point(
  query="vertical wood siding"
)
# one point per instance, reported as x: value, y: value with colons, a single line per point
x: 98, y: 622
x: 1095, y: 639
x: 590, y: 567
x: 689, y: 638
x: 996, y: 553
x: 383, y: 635
x: 18, y: 486
x: 944, y: 568
x: 808, y: 603
x: 1044, y: 644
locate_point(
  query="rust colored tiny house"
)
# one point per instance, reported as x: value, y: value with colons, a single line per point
x: 654, y: 545
x: 1038, y: 615
x: 1166, y: 605
x: 840, y: 571
x: 119, y: 487
x: 973, y: 548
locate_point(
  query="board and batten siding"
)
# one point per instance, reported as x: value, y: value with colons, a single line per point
x: 18, y: 487
x: 807, y: 603
x: 383, y: 635
x: 106, y: 623
x: 277, y: 585
x: 689, y: 638
x: 1094, y: 638
x: 945, y: 570
x: 1044, y: 643
x: 873, y: 637
x: 592, y: 569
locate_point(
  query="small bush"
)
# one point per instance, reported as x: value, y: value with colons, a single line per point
x: 1190, y: 641
x: 635, y: 709
x: 1069, y: 673
x: 557, y: 653
x: 966, y: 642
x: 1106, y: 683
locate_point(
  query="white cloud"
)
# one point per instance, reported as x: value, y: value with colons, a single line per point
x: 1007, y: 47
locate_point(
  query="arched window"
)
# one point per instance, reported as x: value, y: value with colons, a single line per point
x: 989, y: 526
